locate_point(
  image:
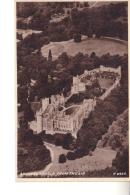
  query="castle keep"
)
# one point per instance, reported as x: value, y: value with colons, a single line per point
x: 54, y: 117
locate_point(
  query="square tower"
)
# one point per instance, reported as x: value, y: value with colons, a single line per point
x: 45, y: 103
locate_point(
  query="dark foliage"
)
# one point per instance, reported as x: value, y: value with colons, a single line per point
x: 101, y: 20
x: 77, y: 37
x: 32, y: 158
x: 121, y: 162
x: 97, y: 124
x: 62, y: 158
x: 32, y: 154
x: 97, y: 20
x: 35, y: 41
x: 71, y: 156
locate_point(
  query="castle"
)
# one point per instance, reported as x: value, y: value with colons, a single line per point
x: 68, y: 120
x: 79, y: 83
x: 54, y: 117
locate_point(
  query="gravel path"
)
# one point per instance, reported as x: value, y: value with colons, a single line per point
x: 101, y: 159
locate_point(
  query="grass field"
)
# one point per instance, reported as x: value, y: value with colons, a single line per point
x: 99, y: 46
x: 105, y: 83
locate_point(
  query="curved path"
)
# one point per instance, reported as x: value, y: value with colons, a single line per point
x: 55, y: 151
x: 101, y: 159
x: 87, y: 45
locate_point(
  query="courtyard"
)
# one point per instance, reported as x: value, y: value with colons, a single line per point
x: 105, y: 83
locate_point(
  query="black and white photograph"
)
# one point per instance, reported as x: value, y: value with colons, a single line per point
x: 72, y: 90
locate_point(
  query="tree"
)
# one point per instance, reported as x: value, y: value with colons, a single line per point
x: 63, y: 59
x: 71, y: 156
x: 121, y: 161
x: 19, y: 36
x: 23, y: 123
x: 93, y: 55
x: 35, y: 41
x: 62, y: 158
x: 49, y: 56
x: 26, y: 9
x: 75, y: 16
x: 40, y: 20
x: 58, y: 142
x: 77, y: 37
x: 28, y: 113
x: 32, y: 158
x: 80, y: 152
x: 68, y: 12
x: 22, y: 95
x: 68, y: 139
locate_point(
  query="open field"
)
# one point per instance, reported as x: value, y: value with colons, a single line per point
x: 86, y: 46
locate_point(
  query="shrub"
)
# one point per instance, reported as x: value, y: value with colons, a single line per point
x: 58, y: 142
x: 68, y: 140
x: 62, y: 158
x: 77, y: 37
x: 71, y: 156
x: 79, y: 153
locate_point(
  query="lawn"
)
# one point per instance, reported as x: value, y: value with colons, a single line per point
x: 101, y: 159
x: 99, y: 46
x: 105, y: 83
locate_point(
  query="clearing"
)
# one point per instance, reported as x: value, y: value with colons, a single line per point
x: 86, y: 46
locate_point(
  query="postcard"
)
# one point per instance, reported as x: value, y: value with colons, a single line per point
x: 72, y: 90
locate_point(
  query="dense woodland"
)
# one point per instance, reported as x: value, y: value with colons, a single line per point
x: 32, y: 154
x: 63, y: 69
x: 97, y: 20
